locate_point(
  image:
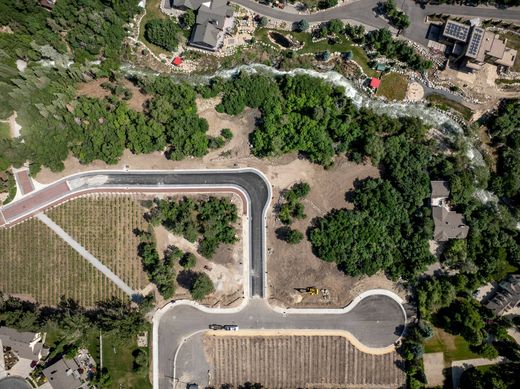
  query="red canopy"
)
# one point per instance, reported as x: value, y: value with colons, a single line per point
x: 375, y: 82
x: 177, y: 61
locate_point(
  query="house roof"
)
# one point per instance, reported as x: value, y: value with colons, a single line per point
x: 64, y: 375
x: 191, y: 4
x: 214, y: 12
x: 205, y: 34
x: 448, y: 225
x: 456, y: 30
x: 375, y: 82
x: 508, y: 59
x: 26, y: 345
x: 507, y: 296
x: 440, y: 189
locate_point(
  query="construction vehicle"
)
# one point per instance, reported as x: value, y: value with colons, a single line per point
x: 310, y: 290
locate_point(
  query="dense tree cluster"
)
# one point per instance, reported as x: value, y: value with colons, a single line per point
x: 382, y: 232
x: 102, y: 128
x: 503, y: 128
x: 91, y: 29
x: 113, y: 315
x: 500, y: 376
x: 383, y: 42
x: 208, y: 221
x: 164, y: 32
x: 397, y: 18
x: 160, y: 271
x: 291, y: 207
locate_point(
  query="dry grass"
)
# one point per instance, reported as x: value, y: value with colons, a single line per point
x: 299, y: 361
x: 105, y: 225
x: 37, y: 263
x: 393, y: 86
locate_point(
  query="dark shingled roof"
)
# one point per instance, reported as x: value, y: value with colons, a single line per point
x: 191, y: 4
x: 507, y: 296
x: 440, y: 189
x: 205, y: 35
x: 448, y: 225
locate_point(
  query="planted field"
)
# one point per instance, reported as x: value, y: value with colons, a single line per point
x: 299, y: 361
x: 37, y: 263
x: 105, y: 225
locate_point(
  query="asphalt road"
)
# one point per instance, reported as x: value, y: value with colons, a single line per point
x: 251, y: 182
x: 376, y: 322
x: 362, y: 11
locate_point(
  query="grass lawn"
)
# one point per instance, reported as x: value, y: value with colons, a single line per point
x: 153, y: 11
x: 343, y: 44
x: 455, y: 348
x: 503, y: 271
x: 118, y: 359
x: 513, y: 41
x: 393, y: 86
x: 446, y: 104
x: 4, y: 130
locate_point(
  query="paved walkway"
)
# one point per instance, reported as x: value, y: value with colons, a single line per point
x: 458, y: 367
x: 84, y: 253
x: 23, y: 181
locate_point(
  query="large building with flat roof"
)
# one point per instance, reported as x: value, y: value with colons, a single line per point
x: 473, y: 46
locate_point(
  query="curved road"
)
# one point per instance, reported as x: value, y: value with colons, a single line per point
x: 250, y: 182
x: 362, y: 11
x: 376, y: 320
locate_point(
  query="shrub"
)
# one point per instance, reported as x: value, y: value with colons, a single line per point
x: 202, y: 287
x: 188, y: 261
x: 162, y: 33
x: 226, y: 134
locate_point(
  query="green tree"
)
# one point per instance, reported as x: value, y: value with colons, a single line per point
x: 163, y: 33
x: 302, y: 25
x: 202, y: 287
x: 263, y: 21
x: 188, y: 261
x: 294, y: 236
x: 187, y: 19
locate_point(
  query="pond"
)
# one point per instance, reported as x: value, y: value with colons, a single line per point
x: 280, y: 39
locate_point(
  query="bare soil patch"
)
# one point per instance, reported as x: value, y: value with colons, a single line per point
x: 94, y: 89
x: 139, y: 99
x: 297, y: 362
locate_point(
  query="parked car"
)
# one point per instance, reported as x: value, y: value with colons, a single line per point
x: 231, y: 327
x: 215, y: 327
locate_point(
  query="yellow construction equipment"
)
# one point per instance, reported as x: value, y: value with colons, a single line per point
x: 310, y: 290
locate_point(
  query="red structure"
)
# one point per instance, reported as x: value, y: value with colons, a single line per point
x: 374, y: 83
x: 177, y: 61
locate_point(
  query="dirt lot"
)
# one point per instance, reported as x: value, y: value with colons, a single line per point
x: 93, y: 89
x: 225, y: 268
x: 298, y: 361
x: 289, y: 267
